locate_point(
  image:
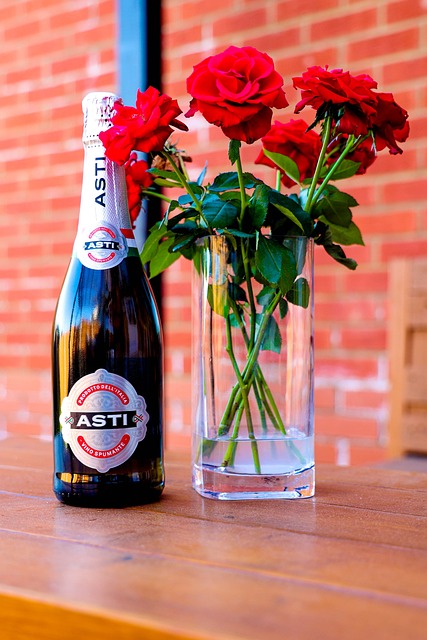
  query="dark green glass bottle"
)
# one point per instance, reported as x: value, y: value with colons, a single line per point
x: 107, y: 355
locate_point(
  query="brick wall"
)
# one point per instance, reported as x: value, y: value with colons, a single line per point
x: 54, y: 51
x: 388, y: 40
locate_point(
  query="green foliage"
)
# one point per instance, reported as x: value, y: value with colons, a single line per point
x: 335, y: 205
x: 217, y: 213
x: 285, y: 164
x: 163, y: 257
x: 299, y: 293
x: 275, y: 263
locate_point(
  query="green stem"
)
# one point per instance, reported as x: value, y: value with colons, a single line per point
x: 267, y: 399
x: 246, y: 265
x: 244, y: 392
x: 320, y: 161
x: 186, y: 185
x: 250, y: 367
x: 347, y: 149
x: 248, y: 276
x: 242, y: 190
x: 155, y: 194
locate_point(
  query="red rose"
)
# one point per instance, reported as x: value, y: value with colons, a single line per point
x: 364, y: 153
x: 337, y: 87
x: 236, y: 90
x: 390, y: 123
x: 136, y: 178
x: 293, y: 140
x: 144, y: 128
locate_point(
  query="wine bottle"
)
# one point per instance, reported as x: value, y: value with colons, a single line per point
x: 107, y: 356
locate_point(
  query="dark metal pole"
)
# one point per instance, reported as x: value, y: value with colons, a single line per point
x: 139, y: 56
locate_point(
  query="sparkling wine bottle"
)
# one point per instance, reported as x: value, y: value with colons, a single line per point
x: 107, y: 346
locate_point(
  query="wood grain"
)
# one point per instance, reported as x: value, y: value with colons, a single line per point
x: 350, y: 563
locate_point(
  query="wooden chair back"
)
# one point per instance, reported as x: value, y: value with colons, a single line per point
x: 408, y: 357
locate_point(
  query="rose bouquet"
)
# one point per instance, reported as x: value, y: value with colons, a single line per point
x: 237, y: 91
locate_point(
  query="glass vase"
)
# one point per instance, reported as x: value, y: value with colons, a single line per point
x: 253, y: 374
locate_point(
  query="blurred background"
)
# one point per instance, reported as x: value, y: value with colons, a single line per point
x: 55, y: 51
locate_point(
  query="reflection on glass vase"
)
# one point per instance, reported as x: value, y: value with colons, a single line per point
x: 253, y: 370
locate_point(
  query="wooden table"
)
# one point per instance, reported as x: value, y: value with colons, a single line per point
x: 350, y: 563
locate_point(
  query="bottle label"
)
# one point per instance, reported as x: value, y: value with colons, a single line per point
x: 101, y: 247
x: 103, y: 419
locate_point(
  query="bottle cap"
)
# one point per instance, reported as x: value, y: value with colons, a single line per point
x: 98, y: 109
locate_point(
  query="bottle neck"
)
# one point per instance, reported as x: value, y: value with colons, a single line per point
x: 104, y: 236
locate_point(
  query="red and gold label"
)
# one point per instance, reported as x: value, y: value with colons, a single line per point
x: 103, y: 419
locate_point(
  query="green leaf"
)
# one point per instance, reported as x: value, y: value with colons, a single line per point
x: 230, y: 180
x: 292, y: 210
x: 335, y: 206
x: 265, y: 296
x: 161, y: 182
x: 288, y: 213
x: 163, y: 257
x: 299, y: 294
x: 168, y: 175
x: 231, y: 196
x: 151, y: 244
x: 218, y: 299
x: 344, y: 235
x: 324, y: 237
x: 183, y: 215
x: 337, y: 253
x: 285, y: 164
x: 272, y: 340
x: 184, y: 199
x: 258, y: 205
x: 346, y: 169
x: 202, y: 174
x: 275, y: 263
x: 196, y: 188
x: 236, y: 232
x: 182, y: 241
x: 283, y: 307
x: 233, y: 150
x: 219, y: 214
x: 236, y: 292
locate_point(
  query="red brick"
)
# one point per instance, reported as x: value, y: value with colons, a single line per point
x: 363, y: 338
x: 408, y: 249
x: 68, y: 19
x: 239, y: 22
x: 290, y: 9
x: 402, y: 10
x: 177, y: 39
x: 351, y: 22
x: 276, y: 40
x: 25, y: 29
x: 343, y: 426
x: 340, y: 368
x: 410, y: 69
x: 365, y: 399
x: 367, y: 455
x: 23, y: 75
x: 354, y: 311
x: 324, y: 452
x: 388, y: 223
x: 324, y: 398
x: 367, y: 280
x: 383, y: 44
x: 322, y: 339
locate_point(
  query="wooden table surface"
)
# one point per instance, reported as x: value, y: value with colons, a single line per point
x: 349, y: 563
